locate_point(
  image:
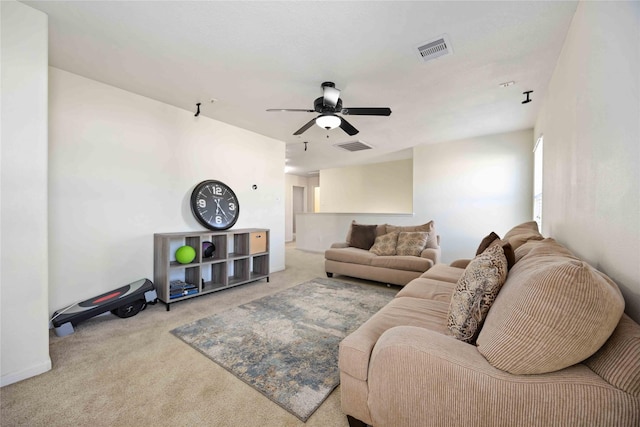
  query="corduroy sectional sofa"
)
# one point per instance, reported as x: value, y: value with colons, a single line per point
x: 384, y: 253
x: 476, y: 344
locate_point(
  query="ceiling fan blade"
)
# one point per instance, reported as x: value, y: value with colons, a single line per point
x: 373, y: 111
x: 347, y: 127
x: 291, y: 109
x: 331, y: 96
x: 305, y: 127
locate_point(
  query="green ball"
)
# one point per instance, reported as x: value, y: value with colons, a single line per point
x: 185, y: 254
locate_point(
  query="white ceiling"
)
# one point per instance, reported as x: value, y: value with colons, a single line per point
x: 251, y: 56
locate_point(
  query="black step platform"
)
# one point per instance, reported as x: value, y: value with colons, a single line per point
x: 125, y: 301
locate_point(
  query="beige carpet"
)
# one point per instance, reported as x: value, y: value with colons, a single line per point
x: 123, y: 372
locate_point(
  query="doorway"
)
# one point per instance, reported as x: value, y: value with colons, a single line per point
x: 298, y: 205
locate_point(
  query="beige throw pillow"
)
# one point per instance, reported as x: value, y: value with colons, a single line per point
x: 411, y: 243
x: 553, y: 311
x: 475, y: 291
x: 385, y: 244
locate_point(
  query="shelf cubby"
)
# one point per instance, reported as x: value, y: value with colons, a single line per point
x: 259, y: 266
x: 213, y: 276
x: 238, y: 271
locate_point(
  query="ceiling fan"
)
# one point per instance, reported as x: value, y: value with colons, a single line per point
x: 328, y: 105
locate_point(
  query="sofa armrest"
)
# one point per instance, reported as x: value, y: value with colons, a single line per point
x: 432, y: 254
x: 460, y: 263
x: 421, y: 377
x: 339, y: 245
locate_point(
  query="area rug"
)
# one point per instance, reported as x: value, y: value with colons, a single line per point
x: 286, y: 345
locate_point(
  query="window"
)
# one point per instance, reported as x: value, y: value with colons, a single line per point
x: 537, y: 181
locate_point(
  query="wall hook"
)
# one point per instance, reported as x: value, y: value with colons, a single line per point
x: 305, y: 145
x: 198, y: 112
x: 527, y: 93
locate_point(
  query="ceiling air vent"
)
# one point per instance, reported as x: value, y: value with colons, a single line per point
x: 435, y: 48
x: 353, y: 146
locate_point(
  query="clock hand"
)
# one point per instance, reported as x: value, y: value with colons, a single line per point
x: 221, y: 210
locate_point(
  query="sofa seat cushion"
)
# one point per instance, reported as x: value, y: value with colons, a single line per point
x: 350, y: 255
x: 436, y: 290
x: 553, y: 311
x: 398, y: 262
x: 356, y: 348
x: 444, y: 273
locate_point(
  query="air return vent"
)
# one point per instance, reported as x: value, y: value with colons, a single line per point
x: 353, y: 146
x: 435, y: 48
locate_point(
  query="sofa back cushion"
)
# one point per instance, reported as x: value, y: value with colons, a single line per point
x: 553, y: 311
x: 522, y: 233
x: 618, y: 361
x: 475, y: 292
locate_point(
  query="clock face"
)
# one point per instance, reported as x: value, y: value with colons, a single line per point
x: 215, y: 205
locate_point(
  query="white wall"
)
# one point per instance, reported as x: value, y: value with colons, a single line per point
x: 318, y: 231
x: 474, y: 186
x: 373, y: 188
x: 122, y: 167
x: 469, y: 188
x: 591, y: 125
x: 313, y: 183
x: 23, y: 194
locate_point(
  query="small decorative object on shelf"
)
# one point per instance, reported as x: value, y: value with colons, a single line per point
x: 208, y: 249
x: 221, y: 260
x: 178, y: 288
x: 185, y: 254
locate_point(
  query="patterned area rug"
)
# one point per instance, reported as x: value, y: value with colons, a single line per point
x: 286, y: 345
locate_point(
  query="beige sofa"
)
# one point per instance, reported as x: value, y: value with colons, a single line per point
x: 385, y: 253
x: 555, y: 347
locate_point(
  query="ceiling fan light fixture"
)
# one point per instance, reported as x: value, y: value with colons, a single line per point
x: 328, y: 121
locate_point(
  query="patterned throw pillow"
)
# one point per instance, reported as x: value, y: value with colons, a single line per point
x: 429, y: 227
x: 475, y: 291
x: 411, y: 242
x: 385, y: 244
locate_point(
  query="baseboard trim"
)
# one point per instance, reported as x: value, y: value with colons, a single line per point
x: 32, y: 371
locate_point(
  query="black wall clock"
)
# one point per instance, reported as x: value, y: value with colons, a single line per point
x: 215, y: 205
